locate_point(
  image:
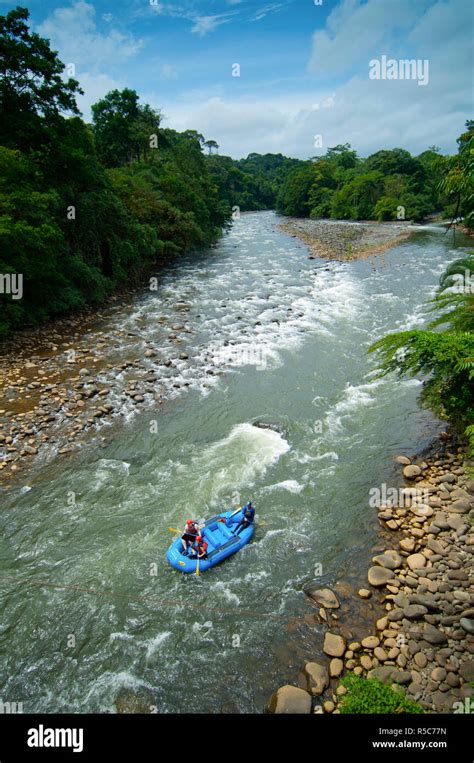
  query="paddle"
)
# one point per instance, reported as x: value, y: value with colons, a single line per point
x: 197, y: 567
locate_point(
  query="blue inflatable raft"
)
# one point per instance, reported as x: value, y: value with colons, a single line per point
x: 222, y: 542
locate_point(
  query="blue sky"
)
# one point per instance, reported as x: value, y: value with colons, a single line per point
x: 303, y: 67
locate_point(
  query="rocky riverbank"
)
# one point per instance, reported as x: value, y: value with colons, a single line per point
x: 335, y: 240
x: 422, y: 639
x: 62, y: 384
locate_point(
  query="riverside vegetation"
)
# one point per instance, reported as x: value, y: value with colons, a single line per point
x: 89, y: 208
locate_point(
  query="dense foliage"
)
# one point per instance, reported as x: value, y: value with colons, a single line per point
x: 369, y: 695
x: 444, y: 352
x: 388, y: 185
x: 87, y: 208
x: 252, y: 183
x: 458, y: 178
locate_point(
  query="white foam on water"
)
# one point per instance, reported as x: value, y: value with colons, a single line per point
x: 106, y: 467
x: 253, y: 577
x: 236, y: 461
x: 198, y: 627
x: 153, y: 645
x: 223, y: 590
x: 110, y: 683
x: 331, y: 454
x: 292, y: 486
x: 120, y: 636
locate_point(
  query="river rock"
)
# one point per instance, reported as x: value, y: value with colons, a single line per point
x: 322, y: 596
x: 402, y: 677
x: 334, y: 645
x: 336, y: 666
x: 420, y: 660
x: 415, y: 611
x: 383, y: 673
x: 403, y: 460
x: 448, y: 478
x: 379, y: 576
x: 422, y: 510
x: 416, y: 561
x: 389, y: 559
x: 467, y: 624
x: 366, y: 662
x: 290, y: 700
x: 407, y: 544
x: 466, y: 671
x: 370, y: 642
x: 426, y: 600
x: 30, y: 450
x: 141, y: 700
x: 412, y: 471
x: 433, y: 635
x: 438, y: 674
x: 317, y: 677
x: 460, y: 506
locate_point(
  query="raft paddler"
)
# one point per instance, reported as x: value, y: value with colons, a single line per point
x: 248, y: 515
x: 199, y: 548
x: 191, y: 532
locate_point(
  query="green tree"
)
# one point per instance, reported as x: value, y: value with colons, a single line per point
x: 293, y: 197
x: 457, y: 181
x: 123, y: 128
x: 444, y: 358
x: 33, y: 93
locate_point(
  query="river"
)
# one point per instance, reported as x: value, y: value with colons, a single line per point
x: 91, y: 531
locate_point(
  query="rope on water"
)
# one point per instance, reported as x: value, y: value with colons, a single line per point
x: 148, y: 599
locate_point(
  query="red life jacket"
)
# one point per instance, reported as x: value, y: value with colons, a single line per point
x: 202, y: 547
x: 190, y: 528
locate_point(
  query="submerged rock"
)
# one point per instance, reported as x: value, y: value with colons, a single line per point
x: 322, y: 596
x: 275, y: 426
x: 379, y: 576
x: 141, y: 700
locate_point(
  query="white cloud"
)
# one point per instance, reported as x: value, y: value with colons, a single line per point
x: 368, y: 114
x: 73, y: 32
x: 266, y: 9
x: 95, y: 86
x: 357, y: 31
x: 205, y: 24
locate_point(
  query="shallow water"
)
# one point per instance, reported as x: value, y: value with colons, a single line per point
x: 297, y: 331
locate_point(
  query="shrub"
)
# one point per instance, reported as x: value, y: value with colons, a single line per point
x: 369, y: 695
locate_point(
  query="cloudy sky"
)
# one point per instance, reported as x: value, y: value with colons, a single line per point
x: 304, y: 67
